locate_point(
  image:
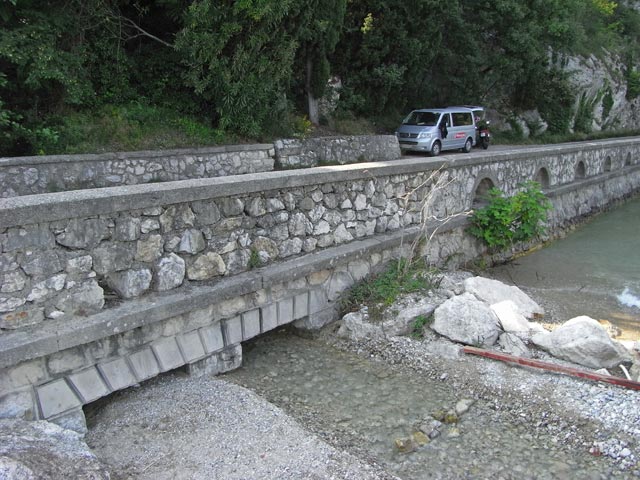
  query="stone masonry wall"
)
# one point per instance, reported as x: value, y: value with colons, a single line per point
x: 105, y: 288
x: 311, y: 152
x: 56, y: 173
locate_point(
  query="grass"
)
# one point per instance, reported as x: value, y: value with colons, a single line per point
x: 381, y: 290
x: 510, y: 138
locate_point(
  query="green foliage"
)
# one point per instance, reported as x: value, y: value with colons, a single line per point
x: 505, y: 220
x: 633, y: 84
x: 419, y: 323
x: 584, y: 115
x: 607, y: 103
x: 555, y: 103
x: 381, y: 290
x: 254, y: 260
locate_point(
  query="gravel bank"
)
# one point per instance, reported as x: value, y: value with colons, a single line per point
x: 177, y: 427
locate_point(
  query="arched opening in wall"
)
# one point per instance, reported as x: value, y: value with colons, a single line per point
x: 542, y: 177
x: 607, y: 165
x: 627, y: 161
x: 481, y: 197
x: 581, y: 171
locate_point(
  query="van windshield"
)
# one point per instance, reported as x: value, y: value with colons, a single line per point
x: 428, y: 119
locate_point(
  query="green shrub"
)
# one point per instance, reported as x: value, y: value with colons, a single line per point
x: 505, y: 220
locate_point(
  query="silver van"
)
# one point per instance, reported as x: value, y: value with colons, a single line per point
x: 433, y: 130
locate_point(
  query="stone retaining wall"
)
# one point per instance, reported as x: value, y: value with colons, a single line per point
x: 102, y: 288
x: 56, y: 173
x: 311, y: 152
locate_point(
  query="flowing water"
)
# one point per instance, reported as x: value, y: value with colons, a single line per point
x: 594, y: 271
x: 369, y: 404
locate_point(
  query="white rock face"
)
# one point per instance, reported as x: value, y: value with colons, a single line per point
x: 493, y: 291
x: 584, y: 341
x: 512, y: 321
x: 467, y: 320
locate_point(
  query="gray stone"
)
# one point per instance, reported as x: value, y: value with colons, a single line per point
x: 42, y: 290
x: 82, y: 264
x: 512, y: 321
x: 13, y: 282
x: 8, y: 262
x: 269, y: 315
x: 177, y: 217
x: 149, y: 225
x: 117, y: 374
x: 112, y: 257
x: 168, y: 353
x: 192, y: 241
x: 41, y: 263
x: 321, y: 228
x: 492, y: 291
x: 29, y: 236
x: 251, y: 324
x: 9, y: 304
x: 285, y: 311
x: 309, y: 244
x: 144, y: 364
x: 73, y: 420
x: 88, y: 384
x: 340, y: 281
x: 360, y: 202
x: 290, y: 247
x: 512, y: 344
x: 130, y: 283
x: 56, y: 397
x: 212, y: 338
x: 467, y: 320
x: 266, y: 245
x: 232, y: 207
x: 207, y: 212
x: 301, y: 305
x: 299, y: 225
x: 355, y: 326
x: 206, y: 266
x: 84, y: 299
x: 42, y: 450
x: 149, y: 249
x: 256, y: 207
x: 127, y: 229
x: 81, y: 233
x: 169, y: 272
x: 233, y: 330
x: 274, y: 205
x: 584, y: 341
x: 400, y: 319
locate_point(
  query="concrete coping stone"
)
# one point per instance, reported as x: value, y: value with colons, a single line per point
x: 47, y: 207
x: 149, y: 154
x: 56, y: 335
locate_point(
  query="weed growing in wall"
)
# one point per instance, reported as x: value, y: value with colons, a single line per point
x: 506, y: 220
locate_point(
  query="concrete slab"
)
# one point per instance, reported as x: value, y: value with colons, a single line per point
x: 144, y: 364
x: 250, y: 324
x: 56, y: 397
x: 89, y: 385
x: 168, y: 353
x: 269, y: 314
x: 191, y: 346
x: 285, y: 311
x: 117, y: 374
x: 212, y: 338
x: 233, y: 330
x: 318, y: 301
x: 301, y: 306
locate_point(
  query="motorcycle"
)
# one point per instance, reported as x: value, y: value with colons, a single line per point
x: 483, y: 135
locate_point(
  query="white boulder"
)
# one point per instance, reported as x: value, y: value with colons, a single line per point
x: 492, y: 291
x: 465, y: 319
x: 584, y: 341
x: 512, y: 321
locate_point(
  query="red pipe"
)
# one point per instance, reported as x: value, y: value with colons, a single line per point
x: 622, y: 382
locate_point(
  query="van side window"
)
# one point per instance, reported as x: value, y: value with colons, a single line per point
x: 462, y: 119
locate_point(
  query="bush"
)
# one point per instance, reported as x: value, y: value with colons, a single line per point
x: 506, y: 220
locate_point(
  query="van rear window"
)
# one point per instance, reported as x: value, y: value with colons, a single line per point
x: 462, y: 119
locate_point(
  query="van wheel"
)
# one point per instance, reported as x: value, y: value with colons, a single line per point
x: 436, y: 148
x: 467, y: 146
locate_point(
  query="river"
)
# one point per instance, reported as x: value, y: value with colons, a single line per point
x: 594, y: 271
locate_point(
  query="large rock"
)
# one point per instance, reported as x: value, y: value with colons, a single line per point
x: 584, y: 341
x: 492, y: 291
x: 400, y: 319
x: 41, y: 450
x: 355, y: 326
x: 512, y: 321
x: 467, y: 320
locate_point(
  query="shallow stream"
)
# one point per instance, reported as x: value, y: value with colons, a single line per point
x: 365, y: 405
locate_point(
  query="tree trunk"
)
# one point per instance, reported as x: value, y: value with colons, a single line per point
x: 312, y: 102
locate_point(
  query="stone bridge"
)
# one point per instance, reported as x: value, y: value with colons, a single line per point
x: 104, y: 288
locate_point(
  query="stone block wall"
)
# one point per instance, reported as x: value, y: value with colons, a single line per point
x: 57, y: 173
x: 153, y: 277
x: 311, y: 152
